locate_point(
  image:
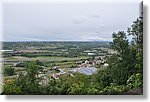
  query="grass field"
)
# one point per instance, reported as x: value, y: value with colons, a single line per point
x: 64, y: 64
x: 55, y: 59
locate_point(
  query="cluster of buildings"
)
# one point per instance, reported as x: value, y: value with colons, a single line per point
x: 86, y: 67
x: 97, y: 60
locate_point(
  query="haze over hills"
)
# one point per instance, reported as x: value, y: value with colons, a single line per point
x: 60, y: 41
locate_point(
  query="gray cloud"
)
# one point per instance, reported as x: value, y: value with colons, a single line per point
x: 79, y: 21
x: 95, y: 16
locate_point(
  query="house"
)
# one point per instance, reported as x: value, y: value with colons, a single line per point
x: 56, y: 76
x: 86, y: 62
x: 55, y: 67
x: 106, y: 65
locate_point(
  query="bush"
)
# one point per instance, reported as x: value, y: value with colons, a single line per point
x: 135, y: 81
x: 11, y: 89
x: 114, y: 90
x: 9, y: 71
x: 92, y: 91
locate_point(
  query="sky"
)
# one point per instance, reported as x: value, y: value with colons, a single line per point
x: 66, y: 21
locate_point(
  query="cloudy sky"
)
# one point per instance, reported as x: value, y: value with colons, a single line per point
x: 66, y: 21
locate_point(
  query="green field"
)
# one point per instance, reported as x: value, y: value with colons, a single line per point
x: 47, y: 59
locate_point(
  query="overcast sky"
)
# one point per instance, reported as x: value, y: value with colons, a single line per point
x: 66, y: 22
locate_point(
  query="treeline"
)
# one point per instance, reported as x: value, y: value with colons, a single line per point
x: 124, y: 75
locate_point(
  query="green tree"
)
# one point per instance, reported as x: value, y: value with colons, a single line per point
x: 103, y: 78
x: 9, y: 71
x: 118, y: 64
x: 29, y: 82
x: 39, y: 63
x: 136, y: 31
x: 120, y: 44
x: 11, y: 89
x: 129, y: 57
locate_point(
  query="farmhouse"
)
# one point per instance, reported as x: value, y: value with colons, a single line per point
x: 106, y: 65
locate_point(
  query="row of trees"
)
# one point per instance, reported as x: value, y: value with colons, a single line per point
x: 125, y: 71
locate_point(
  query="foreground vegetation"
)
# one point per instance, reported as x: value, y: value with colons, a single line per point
x: 124, y: 75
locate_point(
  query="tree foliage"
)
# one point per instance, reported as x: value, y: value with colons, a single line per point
x: 9, y: 71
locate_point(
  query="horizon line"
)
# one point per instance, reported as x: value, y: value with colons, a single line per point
x: 58, y: 41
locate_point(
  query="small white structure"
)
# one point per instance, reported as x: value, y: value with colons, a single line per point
x: 90, y: 54
x: 9, y: 51
x: 86, y: 62
x: 106, y: 65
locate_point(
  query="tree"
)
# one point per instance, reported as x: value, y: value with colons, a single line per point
x: 118, y: 64
x: 103, y: 78
x: 129, y: 57
x: 28, y: 82
x: 39, y: 63
x: 31, y: 78
x: 11, y: 88
x: 9, y: 71
x: 32, y: 70
x: 120, y: 44
x: 136, y: 31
